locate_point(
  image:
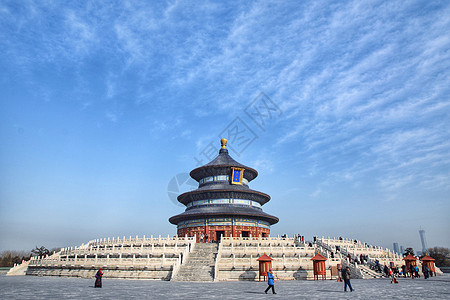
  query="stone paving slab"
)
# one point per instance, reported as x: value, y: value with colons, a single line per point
x: 32, y: 287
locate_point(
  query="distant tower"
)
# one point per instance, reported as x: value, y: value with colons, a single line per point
x: 401, y: 249
x: 423, y: 240
x: 396, y: 249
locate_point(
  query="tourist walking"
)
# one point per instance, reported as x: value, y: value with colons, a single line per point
x: 98, y: 278
x: 270, y: 282
x: 393, y: 274
x: 416, y: 272
x: 386, y: 270
x: 425, y: 271
x: 346, y: 276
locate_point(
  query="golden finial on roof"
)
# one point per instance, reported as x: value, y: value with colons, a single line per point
x: 224, y: 143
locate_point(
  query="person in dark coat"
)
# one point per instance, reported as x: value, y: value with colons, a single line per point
x: 270, y: 282
x: 346, y: 276
x: 386, y: 270
x: 416, y: 272
x: 425, y: 271
x: 98, y: 279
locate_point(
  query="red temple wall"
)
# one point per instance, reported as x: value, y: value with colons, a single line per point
x: 228, y: 231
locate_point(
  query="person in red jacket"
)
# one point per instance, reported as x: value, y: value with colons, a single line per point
x: 98, y: 279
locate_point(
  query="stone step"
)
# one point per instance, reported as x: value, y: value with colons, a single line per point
x: 201, y: 256
x: 193, y: 278
x: 192, y: 271
x: 196, y: 272
x: 192, y: 275
x: 199, y: 265
x: 196, y: 276
x: 195, y: 269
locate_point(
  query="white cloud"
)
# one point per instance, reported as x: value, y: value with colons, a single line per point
x: 263, y: 165
x: 111, y: 116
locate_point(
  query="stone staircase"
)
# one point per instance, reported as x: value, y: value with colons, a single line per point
x: 368, y: 273
x: 199, y: 266
x: 19, y: 270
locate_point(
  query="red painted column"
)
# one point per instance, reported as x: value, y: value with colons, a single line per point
x: 207, y: 231
x: 233, y: 230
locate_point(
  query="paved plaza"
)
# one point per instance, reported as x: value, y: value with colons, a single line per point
x: 32, y: 287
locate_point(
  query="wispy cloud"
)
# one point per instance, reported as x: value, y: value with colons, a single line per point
x: 264, y: 165
x: 111, y: 116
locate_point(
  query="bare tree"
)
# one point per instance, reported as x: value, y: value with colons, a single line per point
x: 10, y: 257
x: 54, y: 250
x: 441, y: 256
x: 409, y: 251
x: 41, y: 252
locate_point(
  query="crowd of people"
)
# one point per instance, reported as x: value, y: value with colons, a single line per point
x: 404, y: 271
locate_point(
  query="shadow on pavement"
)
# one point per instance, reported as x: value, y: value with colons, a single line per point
x: 329, y: 291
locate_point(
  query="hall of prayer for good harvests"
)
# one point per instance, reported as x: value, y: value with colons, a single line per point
x: 223, y: 205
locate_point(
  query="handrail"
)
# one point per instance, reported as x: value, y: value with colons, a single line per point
x: 216, y: 263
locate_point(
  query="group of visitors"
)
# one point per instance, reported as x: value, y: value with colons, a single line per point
x: 403, y: 271
x: 363, y: 258
x: 299, y: 238
x: 412, y: 272
x: 396, y: 271
x: 377, y: 266
x: 203, y: 237
x: 426, y: 271
x: 345, y: 276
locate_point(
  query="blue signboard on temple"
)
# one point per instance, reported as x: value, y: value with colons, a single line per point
x: 236, y: 175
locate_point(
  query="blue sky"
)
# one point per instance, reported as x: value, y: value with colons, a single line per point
x: 104, y: 103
